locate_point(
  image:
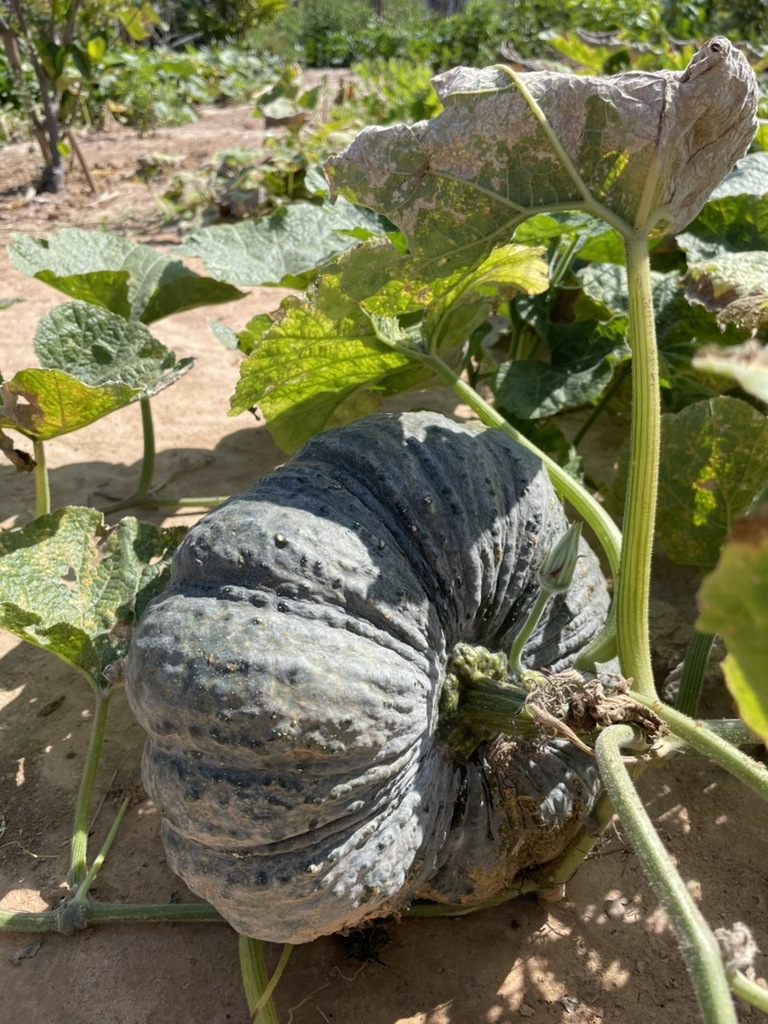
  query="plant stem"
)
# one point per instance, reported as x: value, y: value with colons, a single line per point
x: 634, y: 578
x: 749, y: 990
x: 149, y: 501
x: 752, y: 773
x: 85, y: 885
x: 731, y: 730
x: 42, y: 481
x: 522, y: 638
x: 148, y: 458
x: 256, y: 981
x: 561, y: 871
x: 694, y: 667
x: 698, y: 945
x: 70, y: 916
x: 78, y: 868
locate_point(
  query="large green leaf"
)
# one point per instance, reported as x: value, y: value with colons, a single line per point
x: 100, y: 347
x: 732, y: 223
x: 43, y: 404
x: 642, y: 150
x: 681, y: 327
x: 332, y: 357
x: 129, y: 279
x: 582, y: 358
x: 75, y: 587
x: 324, y: 363
x: 714, y: 462
x: 283, y: 249
x: 733, y: 601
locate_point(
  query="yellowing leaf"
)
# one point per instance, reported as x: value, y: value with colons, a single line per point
x: 714, y: 462
x: 733, y: 601
x: 74, y: 587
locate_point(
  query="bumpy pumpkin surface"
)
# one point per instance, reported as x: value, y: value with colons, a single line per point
x: 289, y: 680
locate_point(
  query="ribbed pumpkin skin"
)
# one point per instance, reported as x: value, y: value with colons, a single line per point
x: 289, y: 677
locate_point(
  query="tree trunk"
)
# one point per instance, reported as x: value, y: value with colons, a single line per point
x: 53, y: 172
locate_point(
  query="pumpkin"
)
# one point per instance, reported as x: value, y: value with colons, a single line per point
x: 289, y: 679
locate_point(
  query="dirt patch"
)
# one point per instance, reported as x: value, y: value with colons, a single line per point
x: 605, y: 954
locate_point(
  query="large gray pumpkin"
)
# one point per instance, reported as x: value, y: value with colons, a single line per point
x: 289, y: 680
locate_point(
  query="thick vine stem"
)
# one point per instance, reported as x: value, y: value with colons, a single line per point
x: 698, y: 944
x: 70, y: 916
x: 706, y: 741
x: 633, y: 581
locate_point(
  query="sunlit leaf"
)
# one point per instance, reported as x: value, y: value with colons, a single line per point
x: 47, y: 403
x: 75, y: 587
x: 322, y: 364
x: 132, y: 280
x: 99, y: 347
x: 733, y: 601
x: 508, y: 271
x: 282, y: 249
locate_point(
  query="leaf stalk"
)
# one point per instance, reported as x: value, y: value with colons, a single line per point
x: 633, y: 581
x: 78, y: 868
x: 706, y: 741
x: 42, y: 480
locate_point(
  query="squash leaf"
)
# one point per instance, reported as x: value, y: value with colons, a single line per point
x: 330, y: 358
x: 43, y: 404
x: 283, y: 249
x: 714, y: 462
x: 582, y: 359
x: 732, y: 223
x: 748, y: 178
x: 73, y: 586
x: 506, y: 272
x: 324, y: 363
x: 680, y: 326
x: 131, y: 280
x: 733, y: 601
x: 99, y: 347
x: 643, y: 150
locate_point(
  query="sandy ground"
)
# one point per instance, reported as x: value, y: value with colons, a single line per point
x: 605, y: 954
